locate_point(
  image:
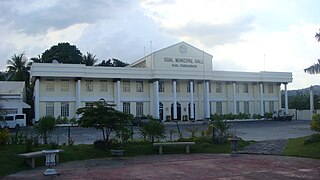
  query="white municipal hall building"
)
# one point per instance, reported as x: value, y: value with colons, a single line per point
x: 175, y: 83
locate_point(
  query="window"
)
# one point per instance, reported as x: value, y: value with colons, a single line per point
x: 237, y: 88
x: 270, y: 88
x: 126, y: 86
x: 271, y: 106
x: 126, y: 107
x: 139, y: 86
x: 209, y: 87
x: 64, y: 85
x: 49, y: 85
x: 65, y: 109
x: 218, y: 88
x: 161, y: 86
x: 219, y: 108
x: 103, y: 86
x: 238, y: 107
x: 50, y: 109
x: 139, y: 109
x: 10, y: 111
x: 89, y: 85
x: 246, y: 107
x: 245, y: 88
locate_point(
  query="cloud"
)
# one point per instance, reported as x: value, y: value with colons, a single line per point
x: 214, y: 34
x: 38, y: 17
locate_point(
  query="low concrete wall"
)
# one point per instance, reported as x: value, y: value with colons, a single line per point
x: 301, y: 114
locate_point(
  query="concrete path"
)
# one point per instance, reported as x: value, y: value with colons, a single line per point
x: 184, y: 166
x: 268, y: 147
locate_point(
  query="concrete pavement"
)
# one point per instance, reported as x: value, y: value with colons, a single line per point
x: 184, y: 166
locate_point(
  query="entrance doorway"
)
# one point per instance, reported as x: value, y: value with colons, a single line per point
x: 161, y: 111
x: 178, y: 111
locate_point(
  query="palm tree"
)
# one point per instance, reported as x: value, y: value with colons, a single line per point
x: 89, y: 59
x: 317, y: 36
x: 314, y: 69
x: 37, y: 59
x: 17, y: 68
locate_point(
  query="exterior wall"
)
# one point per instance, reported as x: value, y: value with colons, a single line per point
x: 170, y: 64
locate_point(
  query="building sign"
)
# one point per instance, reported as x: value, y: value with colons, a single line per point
x: 183, y: 62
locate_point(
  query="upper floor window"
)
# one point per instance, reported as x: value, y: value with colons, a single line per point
x: 64, y: 85
x: 139, y: 86
x: 270, y: 88
x: 218, y: 87
x: 237, y: 88
x: 126, y: 86
x: 161, y: 86
x: 49, y: 84
x: 188, y: 87
x: 89, y: 85
x: 103, y: 85
x: 245, y: 88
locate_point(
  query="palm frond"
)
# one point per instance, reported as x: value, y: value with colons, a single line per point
x: 314, y: 69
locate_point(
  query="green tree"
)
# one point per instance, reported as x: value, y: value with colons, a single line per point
x: 113, y: 63
x: 45, y: 127
x: 37, y: 59
x: 89, y: 59
x: 315, y: 123
x: 63, y: 53
x: 104, y: 117
x: 152, y: 130
x: 18, y: 69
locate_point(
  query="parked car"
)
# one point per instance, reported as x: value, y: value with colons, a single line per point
x: 13, y: 121
x: 281, y: 115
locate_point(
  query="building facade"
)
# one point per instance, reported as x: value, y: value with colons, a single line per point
x: 175, y: 83
x: 12, y: 97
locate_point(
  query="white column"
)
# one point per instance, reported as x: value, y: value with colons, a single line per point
x: 261, y: 100
x: 36, y: 100
x: 279, y: 96
x: 191, y: 101
x: 175, y: 116
x: 207, y: 100
x: 156, y: 99
x: 78, y: 94
x: 118, y: 95
x: 286, y: 98
x: 234, y: 98
x: 311, y: 102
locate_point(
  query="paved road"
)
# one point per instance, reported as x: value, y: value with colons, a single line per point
x: 258, y: 131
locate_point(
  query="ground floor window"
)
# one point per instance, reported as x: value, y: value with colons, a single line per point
x: 10, y: 111
x: 238, y: 107
x: 126, y: 107
x: 88, y: 104
x: 219, y: 108
x: 271, y: 106
x: 50, y: 109
x: 139, y: 108
x: 64, y: 109
x: 246, y: 107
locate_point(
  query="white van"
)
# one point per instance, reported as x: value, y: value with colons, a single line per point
x: 13, y: 121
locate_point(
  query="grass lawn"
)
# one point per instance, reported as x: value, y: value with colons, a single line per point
x: 11, y: 163
x: 295, y: 147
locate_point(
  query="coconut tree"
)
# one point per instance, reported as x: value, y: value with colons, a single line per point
x: 89, y: 59
x: 314, y: 69
x: 317, y: 36
x: 18, y: 69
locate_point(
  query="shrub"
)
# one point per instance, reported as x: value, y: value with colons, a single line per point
x: 45, y: 127
x: 193, y: 132
x: 256, y: 116
x: 152, y: 130
x: 4, y: 137
x: 312, y: 139
x: 315, y: 123
x: 268, y: 115
x: 218, y: 130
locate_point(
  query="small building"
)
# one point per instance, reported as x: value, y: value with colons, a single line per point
x: 175, y: 83
x: 13, y: 97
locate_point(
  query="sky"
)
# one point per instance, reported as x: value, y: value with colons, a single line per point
x: 242, y: 35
